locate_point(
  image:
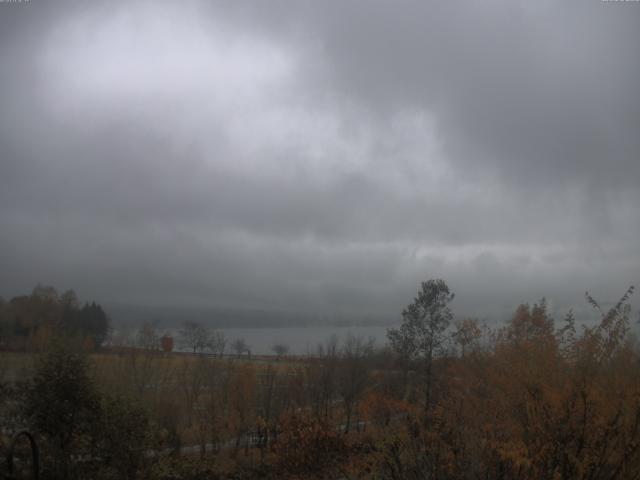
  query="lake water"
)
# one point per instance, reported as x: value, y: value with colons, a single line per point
x: 301, y: 340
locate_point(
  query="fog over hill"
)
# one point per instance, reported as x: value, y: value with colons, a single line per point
x: 217, y: 317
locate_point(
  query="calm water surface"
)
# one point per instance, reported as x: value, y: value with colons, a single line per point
x: 301, y: 340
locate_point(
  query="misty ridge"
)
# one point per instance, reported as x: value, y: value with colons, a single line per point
x: 362, y: 240
x: 221, y: 317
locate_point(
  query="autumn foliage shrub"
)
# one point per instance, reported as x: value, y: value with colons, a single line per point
x: 542, y: 402
x: 306, y: 445
x: 380, y: 409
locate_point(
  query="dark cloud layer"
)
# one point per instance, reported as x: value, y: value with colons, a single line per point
x: 310, y: 156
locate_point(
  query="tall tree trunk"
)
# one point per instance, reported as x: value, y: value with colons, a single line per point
x: 427, y: 385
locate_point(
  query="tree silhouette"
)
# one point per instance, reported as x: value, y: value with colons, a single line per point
x: 422, y: 333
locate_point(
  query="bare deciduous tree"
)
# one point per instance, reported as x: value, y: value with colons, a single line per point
x: 240, y: 346
x: 194, y: 336
x: 354, y: 374
x: 466, y: 334
x: 280, y: 349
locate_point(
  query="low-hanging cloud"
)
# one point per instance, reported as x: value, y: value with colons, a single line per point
x: 317, y: 157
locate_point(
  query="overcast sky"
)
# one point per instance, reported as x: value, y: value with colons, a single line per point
x: 317, y: 155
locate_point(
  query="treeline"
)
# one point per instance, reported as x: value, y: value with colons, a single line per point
x: 446, y: 399
x: 30, y: 322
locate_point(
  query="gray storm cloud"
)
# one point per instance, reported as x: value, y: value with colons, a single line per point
x: 320, y: 157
